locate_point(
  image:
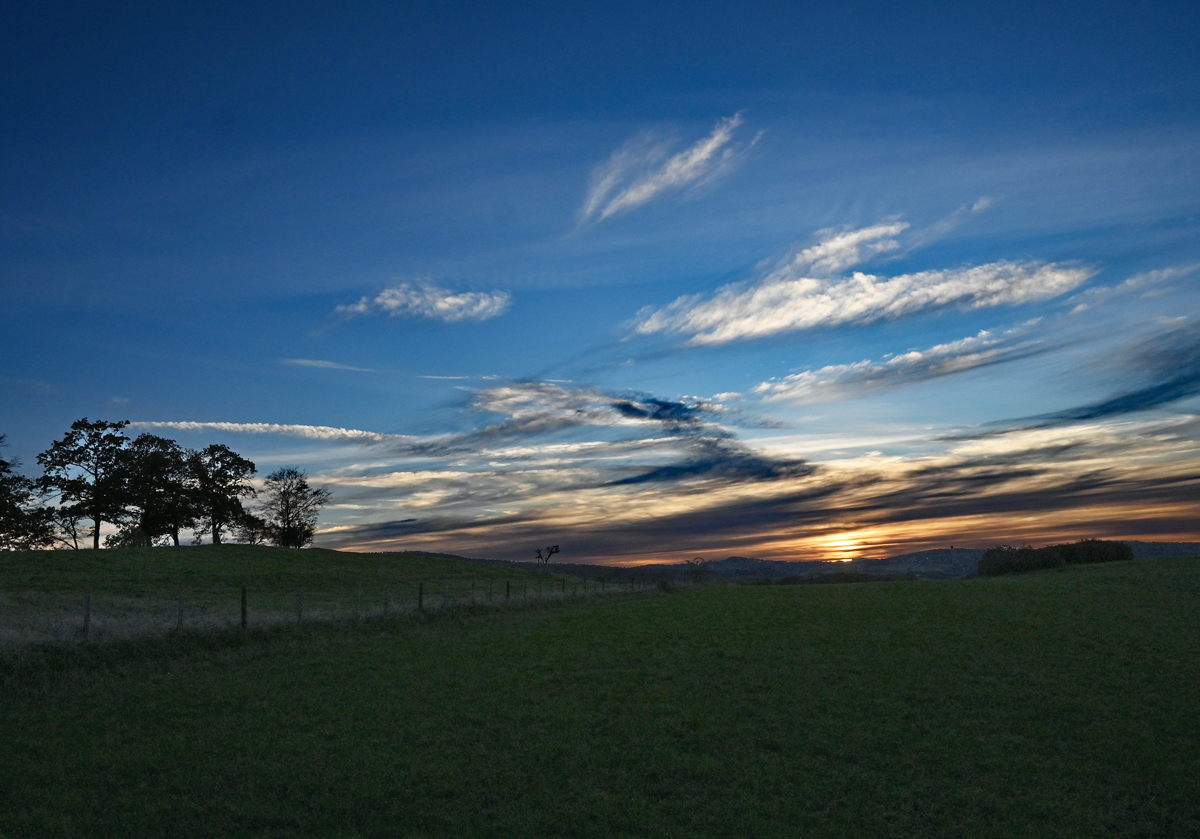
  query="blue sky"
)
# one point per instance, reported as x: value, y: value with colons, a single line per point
x: 648, y: 281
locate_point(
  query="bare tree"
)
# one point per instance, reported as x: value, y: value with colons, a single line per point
x: 545, y: 560
x: 292, y: 507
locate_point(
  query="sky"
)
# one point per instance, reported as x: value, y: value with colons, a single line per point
x: 648, y: 281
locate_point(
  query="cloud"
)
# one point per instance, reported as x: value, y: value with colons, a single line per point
x: 1101, y: 479
x: 840, y: 250
x: 1149, y: 283
x: 308, y: 432
x: 939, y: 229
x: 541, y: 408
x: 617, y: 476
x: 637, y: 172
x: 1168, y: 365
x: 425, y: 300
x: 322, y: 365
x: 840, y: 381
x: 797, y: 295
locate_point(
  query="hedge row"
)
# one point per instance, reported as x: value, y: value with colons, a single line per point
x: 1006, y: 559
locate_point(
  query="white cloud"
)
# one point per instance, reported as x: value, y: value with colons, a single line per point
x: 323, y: 365
x: 1149, y: 283
x: 838, y: 251
x: 308, y: 432
x: 843, y: 380
x: 426, y: 300
x: 636, y: 173
x: 798, y: 295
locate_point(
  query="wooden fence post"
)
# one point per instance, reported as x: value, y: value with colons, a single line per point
x: 358, y: 601
x: 300, y: 608
x: 243, y: 607
x: 472, y: 592
x: 507, y: 590
x: 87, y: 613
x: 179, y: 615
x: 385, y: 602
x: 420, y: 597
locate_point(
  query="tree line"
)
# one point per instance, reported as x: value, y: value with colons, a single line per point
x: 151, y: 489
x: 1009, y: 559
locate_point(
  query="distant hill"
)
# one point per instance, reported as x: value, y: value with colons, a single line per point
x: 944, y: 563
x: 941, y: 564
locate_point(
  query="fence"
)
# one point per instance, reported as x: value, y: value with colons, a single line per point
x: 96, y: 615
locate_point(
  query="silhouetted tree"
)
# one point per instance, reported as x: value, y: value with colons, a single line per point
x: 161, y: 487
x: 64, y: 525
x: 545, y: 560
x: 251, y: 529
x: 23, y: 523
x: 85, y: 468
x: 292, y: 507
x: 222, y: 480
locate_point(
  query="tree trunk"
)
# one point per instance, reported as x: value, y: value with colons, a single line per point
x: 175, y: 536
x: 96, y: 532
x: 216, y: 531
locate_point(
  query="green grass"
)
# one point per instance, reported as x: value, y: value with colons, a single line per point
x: 138, y: 591
x: 1057, y: 704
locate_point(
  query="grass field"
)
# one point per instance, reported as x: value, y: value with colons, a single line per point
x: 1058, y: 704
x: 130, y: 593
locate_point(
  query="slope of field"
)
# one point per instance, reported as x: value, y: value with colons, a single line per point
x: 1057, y: 704
x: 45, y: 595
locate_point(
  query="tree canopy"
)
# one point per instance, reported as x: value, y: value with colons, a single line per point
x: 85, y: 469
x: 222, y: 481
x: 23, y: 525
x: 152, y: 489
x: 160, y: 490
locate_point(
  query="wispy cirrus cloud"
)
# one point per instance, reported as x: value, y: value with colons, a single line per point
x: 323, y: 365
x: 842, y: 381
x: 1164, y: 368
x: 800, y: 294
x: 426, y: 300
x: 641, y: 170
x: 838, y: 250
x: 1147, y: 284
x: 307, y: 432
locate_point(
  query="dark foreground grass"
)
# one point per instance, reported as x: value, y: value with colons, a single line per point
x: 1051, y: 705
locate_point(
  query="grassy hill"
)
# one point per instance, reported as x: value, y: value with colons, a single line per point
x: 44, y: 594
x: 1054, y: 704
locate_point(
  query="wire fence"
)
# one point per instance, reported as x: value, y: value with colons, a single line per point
x: 38, y: 617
